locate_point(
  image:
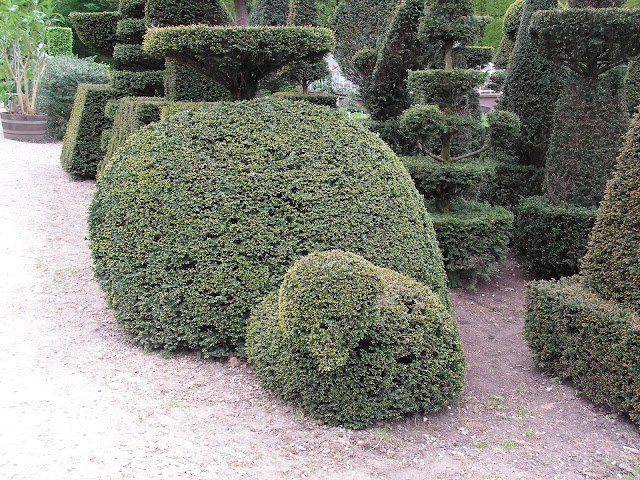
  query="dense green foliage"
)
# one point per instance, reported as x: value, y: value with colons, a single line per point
x: 303, y: 74
x: 131, y: 30
x: 182, y: 83
x: 511, y: 182
x: 495, y: 11
x: 612, y: 263
x: 632, y: 84
x: 510, y: 26
x: 590, y: 120
x: 81, y: 150
x: 97, y: 29
x: 253, y: 186
x: 166, y: 13
x: 474, y: 240
x: 238, y: 58
x: 476, y: 57
x: 303, y: 13
x: 147, y: 83
x: 132, y: 57
x: 325, y: 99
x: 270, y: 13
x: 358, y: 25
x: 531, y: 89
x: 58, y: 88
x: 59, y: 41
x: 353, y: 344
x: 132, y: 8
x: 575, y: 334
x: 551, y: 239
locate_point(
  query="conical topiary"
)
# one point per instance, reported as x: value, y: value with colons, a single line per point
x: 270, y: 13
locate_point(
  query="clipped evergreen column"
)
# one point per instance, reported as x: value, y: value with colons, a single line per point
x: 270, y: 13
x: 303, y: 13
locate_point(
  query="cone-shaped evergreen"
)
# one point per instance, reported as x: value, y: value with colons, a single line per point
x: 270, y: 12
x: 303, y: 13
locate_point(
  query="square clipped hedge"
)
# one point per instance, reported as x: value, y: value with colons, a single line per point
x: 576, y: 334
x: 184, y: 84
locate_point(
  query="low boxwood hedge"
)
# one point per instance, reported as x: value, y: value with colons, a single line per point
x: 575, y: 334
x: 81, y: 150
x: 59, y: 41
x: 184, y: 84
x: 146, y: 84
x: 353, y: 344
x: 200, y: 215
x: 551, y: 239
x: 325, y: 99
x: 511, y: 183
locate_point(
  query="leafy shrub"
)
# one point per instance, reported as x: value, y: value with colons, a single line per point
x: 165, y: 13
x: 59, y: 41
x: 131, y: 30
x: 325, y: 99
x: 476, y: 57
x: 173, y: 108
x: 612, y: 264
x: 81, y: 150
x: 130, y: 116
x: 97, y: 29
x: 358, y: 25
x: 229, y: 56
x: 510, y: 26
x: 133, y: 58
x: 304, y: 74
x: 132, y: 8
x: 147, y: 83
x: 511, y: 182
x: 391, y: 133
x: 576, y: 334
x: 58, y: 88
x: 182, y: 83
x: 632, y: 84
x: 474, y: 239
x: 270, y: 13
x: 303, y: 13
x: 551, y: 239
x: 497, y: 79
x: 531, y: 89
x: 222, y: 201
x: 354, y: 344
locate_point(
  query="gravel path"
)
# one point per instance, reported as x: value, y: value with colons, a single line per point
x: 79, y: 401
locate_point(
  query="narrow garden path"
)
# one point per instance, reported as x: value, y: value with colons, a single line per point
x: 79, y: 401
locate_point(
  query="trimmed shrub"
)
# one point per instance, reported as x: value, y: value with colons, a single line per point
x: 133, y: 58
x: 575, y: 334
x: 358, y: 25
x: 97, y: 30
x: 511, y: 182
x: 131, y: 30
x: 58, y: 87
x: 270, y: 13
x: 147, y: 83
x: 531, y: 89
x: 166, y: 13
x: 476, y: 57
x: 590, y: 121
x: 353, y: 344
x: 303, y: 13
x: 132, y: 8
x: 81, y: 150
x: 59, y: 41
x: 510, y: 26
x: 131, y: 115
x: 551, y: 239
x: 325, y: 99
x: 222, y: 201
x: 183, y: 84
x: 612, y: 263
x: 474, y: 239
x: 304, y: 74
x: 239, y: 57
x: 632, y: 84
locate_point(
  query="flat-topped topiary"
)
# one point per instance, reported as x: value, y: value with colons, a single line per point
x: 354, y: 344
x: 238, y: 57
x: 97, y: 29
x: 200, y: 215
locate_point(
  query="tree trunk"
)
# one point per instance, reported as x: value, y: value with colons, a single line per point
x: 446, y: 147
x: 241, y: 13
x: 448, y: 55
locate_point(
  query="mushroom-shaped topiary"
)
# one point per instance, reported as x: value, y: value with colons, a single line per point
x: 354, y: 344
x: 198, y: 216
x: 239, y: 57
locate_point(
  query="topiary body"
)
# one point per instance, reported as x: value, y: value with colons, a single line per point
x: 303, y: 13
x: 222, y: 201
x: 354, y: 344
x: 270, y: 13
x: 632, y: 84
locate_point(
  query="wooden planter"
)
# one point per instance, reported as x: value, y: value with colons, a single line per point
x: 24, y: 128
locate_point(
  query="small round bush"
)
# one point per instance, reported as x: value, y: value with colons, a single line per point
x: 354, y: 344
x: 199, y: 216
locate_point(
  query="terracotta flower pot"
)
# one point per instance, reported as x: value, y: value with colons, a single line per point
x: 24, y: 128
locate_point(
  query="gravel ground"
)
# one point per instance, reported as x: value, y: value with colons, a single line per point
x: 79, y: 401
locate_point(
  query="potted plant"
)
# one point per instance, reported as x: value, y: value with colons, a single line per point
x: 23, y: 28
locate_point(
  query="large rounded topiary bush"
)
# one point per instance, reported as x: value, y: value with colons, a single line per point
x: 200, y: 215
x: 353, y: 344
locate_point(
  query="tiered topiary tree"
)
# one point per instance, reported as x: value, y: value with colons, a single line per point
x: 586, y: 327
x: 354, y: 344
x: 473, y: 237
x: 590, y: 119
x: 510, y: 27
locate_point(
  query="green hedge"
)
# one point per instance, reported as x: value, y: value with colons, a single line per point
x: 511, y: 182
x: 131, y: 30
x: 97, y: 29
x: 632, y: 84
x: 166, y: 13
x: 303, y: 13
x: 132, y: 8
x: 474, y: 239
x: 326, y: 99
x: 173, y: 108
x: 353, y: 344
x: 577, y: 335
x: 132, y: 113
x: 182, y: 83
x: 59, y: 41
x: 146, y: 84
x: 81, y: 150
x: 270, y: 13
x: 551, y: 239
x: 133, y: 58
x: 220, y: 202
